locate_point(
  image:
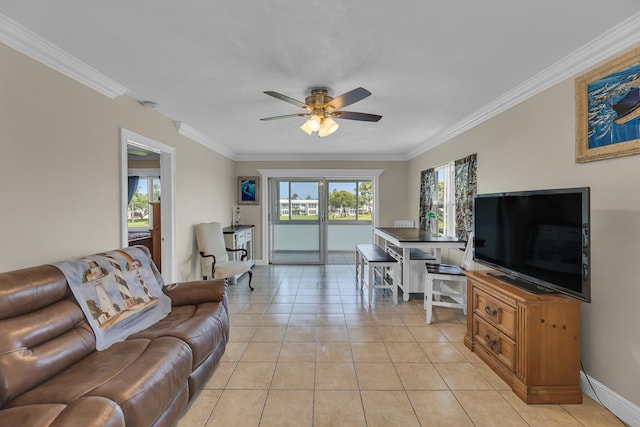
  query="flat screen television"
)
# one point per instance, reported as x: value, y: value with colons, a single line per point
x: 538, y: 240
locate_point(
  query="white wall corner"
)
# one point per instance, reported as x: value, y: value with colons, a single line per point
x: 621, y: 407
x: 37, y: 48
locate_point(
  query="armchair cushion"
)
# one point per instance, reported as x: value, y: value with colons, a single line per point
x: 231, y: 268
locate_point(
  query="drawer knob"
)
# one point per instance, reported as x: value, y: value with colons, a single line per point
x: 492, y: 343
x: 491, y: 312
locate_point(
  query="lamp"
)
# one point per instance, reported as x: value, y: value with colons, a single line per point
x: 305, y: 128
x: 314, y: 123
x: 328, y: 127
x: 319, y: 123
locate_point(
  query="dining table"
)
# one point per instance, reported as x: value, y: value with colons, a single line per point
x: 410, y: 238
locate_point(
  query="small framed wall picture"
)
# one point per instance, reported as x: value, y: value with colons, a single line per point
x: 248, y: 190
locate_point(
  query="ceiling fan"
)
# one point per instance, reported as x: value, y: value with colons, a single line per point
x: 322, y: 109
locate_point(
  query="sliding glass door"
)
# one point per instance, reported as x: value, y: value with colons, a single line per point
x: 318, y: 220
x: 349, y: 217
x: 297, y: 221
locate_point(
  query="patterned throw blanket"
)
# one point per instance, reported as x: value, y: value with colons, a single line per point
x: 118, y: 292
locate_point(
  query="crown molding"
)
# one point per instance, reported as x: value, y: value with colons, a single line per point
x: 35, y: 47
x: 318, y: 157
x: 197, y: 136
x: 618, y: 39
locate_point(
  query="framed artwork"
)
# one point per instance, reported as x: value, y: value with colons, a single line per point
x: 608, y: 110
x: 248, y: 190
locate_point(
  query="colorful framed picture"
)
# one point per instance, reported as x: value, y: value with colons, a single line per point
x: 248, y: 190
x: 608, y: 110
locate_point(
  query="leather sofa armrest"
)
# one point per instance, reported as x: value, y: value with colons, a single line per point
x: 196, y: 292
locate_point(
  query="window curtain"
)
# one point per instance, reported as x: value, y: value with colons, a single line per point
x: 466, y: 186
x: 132, y: 185
x: 428, y: 193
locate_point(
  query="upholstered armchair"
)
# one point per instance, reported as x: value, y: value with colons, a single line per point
x: 214, y: 255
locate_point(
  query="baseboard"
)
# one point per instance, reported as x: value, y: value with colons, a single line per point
x: 621, y: 407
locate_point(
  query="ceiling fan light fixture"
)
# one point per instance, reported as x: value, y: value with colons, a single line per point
x: 314, y: 123
x: 305, y: 128
x: 329, y: 126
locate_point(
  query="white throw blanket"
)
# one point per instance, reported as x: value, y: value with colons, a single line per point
x: 118, y: 293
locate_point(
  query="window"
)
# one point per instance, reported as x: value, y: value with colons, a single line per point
x: 444, y: 205
x: 446, y: 197
x: 350, y: 201
x: 298, y: 201
x: 147, y: 190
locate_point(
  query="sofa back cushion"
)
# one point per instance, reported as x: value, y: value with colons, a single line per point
x: 43, y: 329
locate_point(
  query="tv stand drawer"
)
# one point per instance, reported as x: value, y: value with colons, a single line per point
x: 496, y: 343
x: 497, y: 313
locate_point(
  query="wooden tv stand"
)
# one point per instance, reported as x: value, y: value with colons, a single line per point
x: 532, y: 341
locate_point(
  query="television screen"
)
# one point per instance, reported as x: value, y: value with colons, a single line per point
x: 538, y: 239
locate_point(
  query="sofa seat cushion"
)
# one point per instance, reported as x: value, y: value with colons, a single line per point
x: 201, y: 326
x: 89, y: 411
x: 141, y: 376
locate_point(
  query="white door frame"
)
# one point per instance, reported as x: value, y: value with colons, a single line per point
x: 167, y: 196
x: 372, y: 174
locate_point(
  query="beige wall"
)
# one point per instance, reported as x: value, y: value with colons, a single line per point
x: 531, y: 146
x: 392, y: 182
x: 60, y: 169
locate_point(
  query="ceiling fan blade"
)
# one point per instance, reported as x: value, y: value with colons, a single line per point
x: 348, y: 98
x: 286, y: 116
x: 285, y: 98
x: 350, y: 115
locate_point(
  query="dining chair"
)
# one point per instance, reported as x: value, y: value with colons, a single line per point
x: 214, y: 255
x: 446, y: 280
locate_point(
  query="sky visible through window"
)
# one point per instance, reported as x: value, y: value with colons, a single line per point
x: 142, y: 186
x: 309, y: 190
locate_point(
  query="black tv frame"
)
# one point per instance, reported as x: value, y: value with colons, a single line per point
x: 536, y: 284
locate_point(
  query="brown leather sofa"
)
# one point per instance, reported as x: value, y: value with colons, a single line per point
x: 52, y: 375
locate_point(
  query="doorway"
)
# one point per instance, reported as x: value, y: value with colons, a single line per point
x: 308, y: 218
x: 165, y: 244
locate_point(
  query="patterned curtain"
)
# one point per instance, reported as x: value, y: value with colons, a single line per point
x: 428, y: 192
x: 466, y: 187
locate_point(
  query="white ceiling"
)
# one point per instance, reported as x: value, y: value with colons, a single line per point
x: 435, y: 68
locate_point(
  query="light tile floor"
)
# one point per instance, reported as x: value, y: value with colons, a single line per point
x: 306, y: 350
